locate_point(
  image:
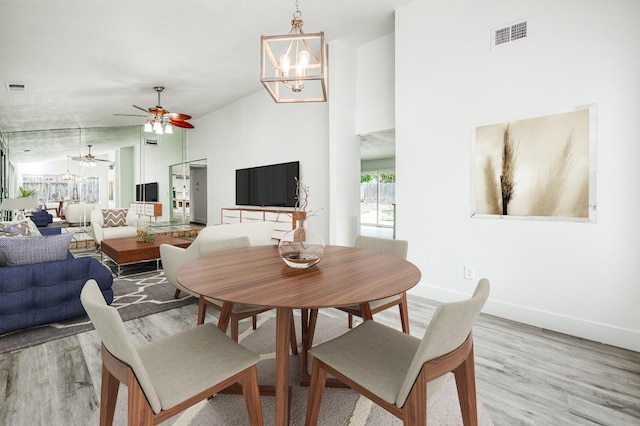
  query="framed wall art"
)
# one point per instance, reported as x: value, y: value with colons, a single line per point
x: 536, y: 168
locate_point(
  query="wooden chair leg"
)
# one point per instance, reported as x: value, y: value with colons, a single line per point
x: 414, y: 411
x: 254, y: 322
x: 108, y: 397
x: 235, y: 332
x: 404, y: 313
x: 350, y: 321
x: 140, y: 412
x: 251, y: 394
x: 177, y: 295
x: 466, y: 383
x: 293, y: 340
x: 316, y: 391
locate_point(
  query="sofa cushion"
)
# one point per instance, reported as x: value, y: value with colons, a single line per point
x: 20, y: 228
x: 114, y: 217
x: 119, y: 232
x: 32, y: 295
x: 24, y: 251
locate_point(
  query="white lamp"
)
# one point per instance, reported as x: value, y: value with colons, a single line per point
x: 20, y: 204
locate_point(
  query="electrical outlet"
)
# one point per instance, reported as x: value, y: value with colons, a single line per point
x: 468, y: 272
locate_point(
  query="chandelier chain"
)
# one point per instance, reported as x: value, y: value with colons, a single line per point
x: 297, y: 14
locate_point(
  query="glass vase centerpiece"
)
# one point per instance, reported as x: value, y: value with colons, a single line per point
x: 301, y: 247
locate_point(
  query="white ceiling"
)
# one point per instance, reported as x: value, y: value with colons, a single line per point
x: 84, y: 61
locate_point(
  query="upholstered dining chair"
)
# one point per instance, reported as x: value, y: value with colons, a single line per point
x: 209, y: 240
x: 166, y: 376
x: 397, y: 248
x: 212, y: 239
x: 398, y: 371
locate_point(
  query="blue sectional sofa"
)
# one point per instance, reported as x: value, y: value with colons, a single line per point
x: 41, y: 293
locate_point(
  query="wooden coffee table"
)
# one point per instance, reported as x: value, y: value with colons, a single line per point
x: 124, y: 251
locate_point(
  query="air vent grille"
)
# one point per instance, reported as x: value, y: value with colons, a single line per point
x: 509, y: 33
x: 15, y: 87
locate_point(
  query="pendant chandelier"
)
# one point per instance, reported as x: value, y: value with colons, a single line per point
x: 68, y: 175
x: 293, y: 67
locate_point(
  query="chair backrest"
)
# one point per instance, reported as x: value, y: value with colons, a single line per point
x: 259, y: 233
x: 219, y: 245
x: 449, y: 328
x: 397, y: 248
x: 116, y: 338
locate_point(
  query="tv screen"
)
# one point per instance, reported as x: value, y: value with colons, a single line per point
x: 147, y: 192
x: 272, y: 185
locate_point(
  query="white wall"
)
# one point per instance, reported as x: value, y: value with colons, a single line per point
x: 375, y: 86
x: 255, y: 131
x: 344, y: 146
x: 578, y: 278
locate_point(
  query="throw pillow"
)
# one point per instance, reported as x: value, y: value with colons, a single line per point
x: 25, y: 251
x: 20, y: 228
x: 114, y: 217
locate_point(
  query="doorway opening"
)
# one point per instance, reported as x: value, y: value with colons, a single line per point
x: 378, y: 184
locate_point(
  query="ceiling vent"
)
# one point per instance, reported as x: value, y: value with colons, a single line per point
x: 509, y: 33
x: 15, y: 87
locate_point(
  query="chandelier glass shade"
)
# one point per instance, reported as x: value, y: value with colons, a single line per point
x: 293, y: 67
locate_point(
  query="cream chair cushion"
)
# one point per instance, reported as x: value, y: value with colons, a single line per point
x: 258, y: 233
x: 175, y: 368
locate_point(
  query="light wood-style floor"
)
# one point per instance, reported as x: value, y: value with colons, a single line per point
x: 525, y: 376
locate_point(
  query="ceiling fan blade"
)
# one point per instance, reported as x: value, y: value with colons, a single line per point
x: 131, y: 115
x: 141, y: 109
x: 77, y: 158
x: 183, y: 124
x: 178, y: 116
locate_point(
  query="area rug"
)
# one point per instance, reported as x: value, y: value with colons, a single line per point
x: 339, y: 406
x: 134, y: 296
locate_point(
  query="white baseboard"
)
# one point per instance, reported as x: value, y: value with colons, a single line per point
x: 585, y: 329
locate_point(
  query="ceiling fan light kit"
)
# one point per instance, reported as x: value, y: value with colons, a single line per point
x: 293, y: 67
x: 162, y: 121
x: 89, y: 159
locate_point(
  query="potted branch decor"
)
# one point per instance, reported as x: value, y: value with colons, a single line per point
x: 301, y: 247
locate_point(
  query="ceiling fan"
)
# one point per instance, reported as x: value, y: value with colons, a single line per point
x: 90, y: 158
x: 161, y: 120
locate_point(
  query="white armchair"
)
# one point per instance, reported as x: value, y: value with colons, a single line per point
x: 215, y: 238
x: 100, y: 232
x: 78, y: 213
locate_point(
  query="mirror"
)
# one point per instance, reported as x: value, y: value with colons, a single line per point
x: 182, y: 202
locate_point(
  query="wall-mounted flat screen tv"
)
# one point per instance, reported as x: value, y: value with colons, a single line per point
x: 272, y: 185
x: 147, y: 192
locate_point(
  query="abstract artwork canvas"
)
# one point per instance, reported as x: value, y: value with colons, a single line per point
x: 542, y: 167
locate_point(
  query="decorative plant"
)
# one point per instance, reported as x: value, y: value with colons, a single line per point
x: 25, y: 192
x: 302, y: 200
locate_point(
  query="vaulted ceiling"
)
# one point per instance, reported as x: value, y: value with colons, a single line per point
x: 82, y: 62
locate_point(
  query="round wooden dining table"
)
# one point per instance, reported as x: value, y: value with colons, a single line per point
x: 257, y: 276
